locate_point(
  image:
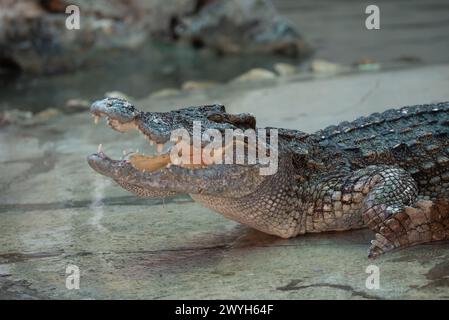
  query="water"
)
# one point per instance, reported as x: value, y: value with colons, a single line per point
x: 153, y: 67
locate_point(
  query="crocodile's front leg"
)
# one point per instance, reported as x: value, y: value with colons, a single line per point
x: 383, y: 198
x: 392, y: 211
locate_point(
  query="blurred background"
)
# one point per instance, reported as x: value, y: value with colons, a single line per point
x: 139, y: 47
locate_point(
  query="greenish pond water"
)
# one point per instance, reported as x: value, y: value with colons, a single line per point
x: 154, y: 67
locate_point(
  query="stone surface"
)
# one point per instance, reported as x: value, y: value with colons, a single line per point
x: 165, y: 92
x: 55, y: 211
x: 198, y: 85
x: 77, y: 105
x: 285, y: 69
x: 15, y: 116
x: 327, y: 67
x: 257, y: 74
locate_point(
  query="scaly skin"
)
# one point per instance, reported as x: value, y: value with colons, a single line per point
x: 388, y: 172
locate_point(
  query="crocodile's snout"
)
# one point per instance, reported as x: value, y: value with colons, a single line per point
x: 114, y: 108
x: 100, y: 163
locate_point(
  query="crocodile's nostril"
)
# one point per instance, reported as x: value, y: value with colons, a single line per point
x: 93, y: 158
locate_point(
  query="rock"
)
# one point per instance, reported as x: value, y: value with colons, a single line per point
x: 15, y: 117
x: 34, y: 37
x: 46, y: 115
x: 364, y: 61
x: 325, y: 67
x: 249, y: 26
x: 367, y: 64
x: 285, y: 69
x: 117, y: 94
x: 165, y: 93
x: 198, y: 85
x: 76, y: 105
x: 256, y: 74
x: 26, y: 118
x: 409, y: 59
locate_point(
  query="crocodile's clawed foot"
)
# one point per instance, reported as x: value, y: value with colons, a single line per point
x: 379, y: 246
x: 427, y: 221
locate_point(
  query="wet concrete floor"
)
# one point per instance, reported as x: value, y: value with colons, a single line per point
x: 55, y: 211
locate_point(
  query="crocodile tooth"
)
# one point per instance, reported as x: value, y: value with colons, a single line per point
x: 160, y: 146
x: 100, y: 148
x: 96, y: 119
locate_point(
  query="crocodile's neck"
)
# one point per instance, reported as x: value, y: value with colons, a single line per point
x: 279, y: 192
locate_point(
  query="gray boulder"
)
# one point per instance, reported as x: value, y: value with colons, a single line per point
x: 242, y: 26
x: 34, y: 37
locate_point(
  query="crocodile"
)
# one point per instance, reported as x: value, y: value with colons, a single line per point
x: 388, y: 172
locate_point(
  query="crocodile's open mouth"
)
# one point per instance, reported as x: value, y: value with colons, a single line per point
x: 197, y: 150
x: 164, y: 148
x: 140, y: 161
x: 203, y: 140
